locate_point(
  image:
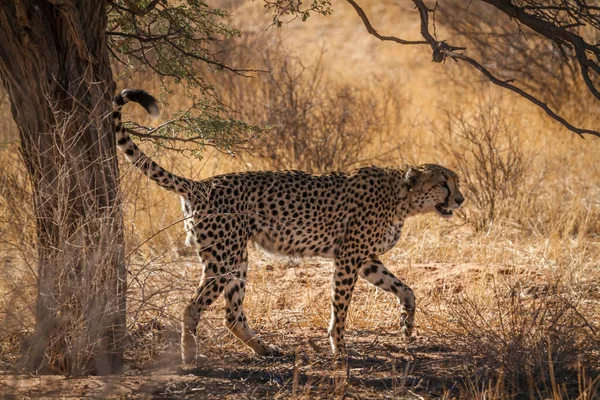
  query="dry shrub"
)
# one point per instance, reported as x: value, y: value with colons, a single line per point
x: 17, y: 246
x: 312, y: 122
x: 523, y: 336
x: 497, y: 166
x: 570, y: 207
x: 77, y: 299
x: 514, y: 182
x: 159, y: 286
x: 56, y: 313
x: 17, y: 257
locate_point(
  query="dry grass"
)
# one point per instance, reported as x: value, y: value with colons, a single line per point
x: 508, y: 295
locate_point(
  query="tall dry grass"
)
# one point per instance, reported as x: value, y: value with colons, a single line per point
x: 511, y: 284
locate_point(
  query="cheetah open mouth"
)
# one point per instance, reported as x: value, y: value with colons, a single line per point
x: 440, y: 208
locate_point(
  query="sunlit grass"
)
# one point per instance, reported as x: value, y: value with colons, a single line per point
x: 463, y: 275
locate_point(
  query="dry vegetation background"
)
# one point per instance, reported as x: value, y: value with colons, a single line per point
x: 508, y: 290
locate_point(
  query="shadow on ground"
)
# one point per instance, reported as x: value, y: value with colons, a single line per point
x: 375, y: 369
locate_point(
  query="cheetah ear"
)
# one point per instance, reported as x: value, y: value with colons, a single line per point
x: 411, y: 177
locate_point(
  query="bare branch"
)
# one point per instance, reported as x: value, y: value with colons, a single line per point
x: 441, y: 50
x: 508, y: 85
x: 553, y: 32
x: 373, y: 32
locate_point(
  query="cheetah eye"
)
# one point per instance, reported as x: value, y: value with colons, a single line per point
x: 444, y: 185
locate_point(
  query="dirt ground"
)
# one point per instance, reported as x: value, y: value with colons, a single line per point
x: 288, y: 304
x: 377, y: 369
x: 382, y: 364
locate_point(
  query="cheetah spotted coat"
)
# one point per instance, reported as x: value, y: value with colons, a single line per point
x: 351, y: 217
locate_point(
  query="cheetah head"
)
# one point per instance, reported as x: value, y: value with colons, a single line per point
x: 433, y: 188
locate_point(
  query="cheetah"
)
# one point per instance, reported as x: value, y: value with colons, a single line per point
x: 350, y: 217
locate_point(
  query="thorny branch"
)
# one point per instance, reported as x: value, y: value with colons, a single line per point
x: 176, y: 40
x: 176, y: 33
x: 199, y: 139
x: 552, y: 22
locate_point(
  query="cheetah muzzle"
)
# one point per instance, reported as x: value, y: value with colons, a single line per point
x: 350, y: 217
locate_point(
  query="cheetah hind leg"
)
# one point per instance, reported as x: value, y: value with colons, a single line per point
x: 207, y: 292
x: 235, y: 318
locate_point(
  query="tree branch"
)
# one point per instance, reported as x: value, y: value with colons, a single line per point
x: 139, y: 37
x: 373, y: 32
x: 553, y: 32
x: 508, y: 85
x: 441, y: 50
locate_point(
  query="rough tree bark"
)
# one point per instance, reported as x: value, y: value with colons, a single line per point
x: 54, y: 65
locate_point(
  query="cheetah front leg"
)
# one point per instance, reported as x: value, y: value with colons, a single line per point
x: 235, y: 318
x: 375, y: 272
x: 344, y: 279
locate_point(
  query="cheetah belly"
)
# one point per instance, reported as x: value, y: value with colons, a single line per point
x: 390, y: 237
x: 287, y: 238
x: 299, y: 244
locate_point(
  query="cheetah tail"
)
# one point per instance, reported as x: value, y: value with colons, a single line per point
x: 132, y: 152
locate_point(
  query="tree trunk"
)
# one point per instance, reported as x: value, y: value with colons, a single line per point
x: 54, y: 65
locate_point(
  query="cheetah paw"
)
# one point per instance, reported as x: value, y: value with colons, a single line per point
x: 271, y: 351
x: 407, y: 325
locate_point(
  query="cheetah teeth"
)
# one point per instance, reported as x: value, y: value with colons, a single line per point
x: 442, y: 211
